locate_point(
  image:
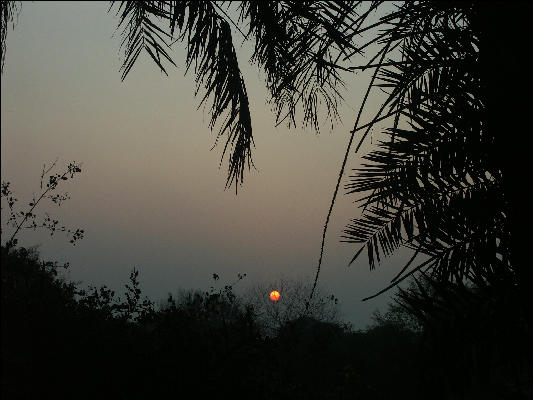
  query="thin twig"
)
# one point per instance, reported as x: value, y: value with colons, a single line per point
x: 26, y: 215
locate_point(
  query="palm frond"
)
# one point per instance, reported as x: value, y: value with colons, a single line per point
x: 142, y: 34
x: 210, y: 49
x: 299, y: 45
x: 210, y: 52
x: 9, y: 12
x: 434, y: 186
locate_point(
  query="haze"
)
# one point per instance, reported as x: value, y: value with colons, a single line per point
x: 151, y: 194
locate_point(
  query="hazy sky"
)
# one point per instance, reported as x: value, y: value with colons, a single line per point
x: 151, y: 194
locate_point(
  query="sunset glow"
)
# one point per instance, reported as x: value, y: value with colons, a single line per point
x: 274, y: 295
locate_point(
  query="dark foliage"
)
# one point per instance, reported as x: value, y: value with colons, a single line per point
x: 435, y: 184
x: 300, y: 45
x: 27, y: 218
x: 62, y: 342
x: 473, y: 338
x: 446, y: 182
x: 8, y: 13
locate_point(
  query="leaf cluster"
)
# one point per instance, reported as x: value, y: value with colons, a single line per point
x: 28, y: 219
x: 104, y: 302
x: 9, y: 11
x: 435, y: 184
x: 191, y: 343
x: 475, y: 333
x: 299, y: 45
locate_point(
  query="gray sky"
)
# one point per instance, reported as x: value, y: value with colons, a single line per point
x: 151, y: 194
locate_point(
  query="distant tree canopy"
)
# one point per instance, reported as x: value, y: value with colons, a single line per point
x: 446, y: 180
x: 62, y: 342
x: 294, y: 303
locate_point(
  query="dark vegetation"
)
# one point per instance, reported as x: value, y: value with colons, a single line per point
x: 446, y: 181
x: 60, y: 341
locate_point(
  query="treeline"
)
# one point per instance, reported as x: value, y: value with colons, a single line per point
x: 60, y: 341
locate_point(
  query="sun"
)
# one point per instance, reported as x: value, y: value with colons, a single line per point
x: 274, y: 295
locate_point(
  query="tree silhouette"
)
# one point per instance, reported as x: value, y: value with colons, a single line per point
x: 293, y: 304
x: 28, y: 219
x: 66, y: 342
x: 473, y: 338
x: 445, y: 181
x: 434, y: 185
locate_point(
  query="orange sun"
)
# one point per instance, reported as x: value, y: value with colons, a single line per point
x: 274, y: 295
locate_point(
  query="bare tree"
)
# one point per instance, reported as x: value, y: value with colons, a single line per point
x: 293, y: 303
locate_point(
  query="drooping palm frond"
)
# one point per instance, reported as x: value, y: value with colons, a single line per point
x: 435, y: 184
x: 9, y: 11
x: 299, y: 45
x: 211, y: 53
x: 211, y: 50
x: 141, y: 33
x: 302, y: 47
x: 410, y: 20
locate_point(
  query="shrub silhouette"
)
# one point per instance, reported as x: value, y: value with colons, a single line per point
x: 64, y: 342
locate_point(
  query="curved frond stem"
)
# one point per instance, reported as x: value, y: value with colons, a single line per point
x: 343, y: 166
x: 392, y: 285
x: 230, y: 20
